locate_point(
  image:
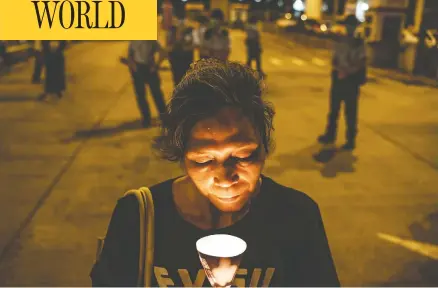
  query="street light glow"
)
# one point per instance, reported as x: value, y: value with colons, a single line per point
x: 299, y: 5
x: 361, y: 9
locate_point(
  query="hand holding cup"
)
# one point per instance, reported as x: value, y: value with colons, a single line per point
x: 220, y: 255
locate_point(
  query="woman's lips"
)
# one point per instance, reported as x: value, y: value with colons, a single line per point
x: 228, y: 199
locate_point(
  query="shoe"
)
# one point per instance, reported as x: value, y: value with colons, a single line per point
x: 325, y: 139
x: 348, y: 146
x: 43, y: 97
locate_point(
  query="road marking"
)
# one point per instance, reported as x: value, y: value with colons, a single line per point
x: 425, y: 249
x: 318, y: 61
x: 276, y: 61
x: 298, y: 61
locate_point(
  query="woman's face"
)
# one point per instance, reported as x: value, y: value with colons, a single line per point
x: 224, y: 159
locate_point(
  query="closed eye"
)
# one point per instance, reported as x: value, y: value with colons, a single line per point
x: 243, y: 158
x: 249, y: 158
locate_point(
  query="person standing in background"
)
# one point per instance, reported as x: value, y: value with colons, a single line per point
x: 4, y: 55
x: 217, y: 41
x: 167, y: 21
x: 253, y: 45
x: 54, y: 61
x: 199, y: 34
x: 348, y: 74
x: 144, y: 69
x: 181, y: 48
x: 39, y: 61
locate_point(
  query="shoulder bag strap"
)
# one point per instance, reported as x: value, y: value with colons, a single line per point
x: 146, y: 249
x: 150, y: 233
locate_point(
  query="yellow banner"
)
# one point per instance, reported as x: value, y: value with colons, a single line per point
x: 78, y: 19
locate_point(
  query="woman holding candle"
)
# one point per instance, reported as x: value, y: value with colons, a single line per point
x: 220, y: 129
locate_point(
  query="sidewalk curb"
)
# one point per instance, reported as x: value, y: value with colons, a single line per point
x: 404, y: 77
x: 395, y: 75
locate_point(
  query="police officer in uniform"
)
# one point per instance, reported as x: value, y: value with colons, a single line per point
x: 39, y: 61
x: 181, y: 53
x: 348, y: 74
x: 144, y: 70
x: 253, y: 45
x: 199, y: 35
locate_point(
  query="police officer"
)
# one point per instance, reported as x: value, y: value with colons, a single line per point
x: 39, y: 61
x: 199, y: 35
x: 348, y: 74
x: 4, y: 57
x: 253, y: 45
x: 144, y: 70
x: 181, y: 53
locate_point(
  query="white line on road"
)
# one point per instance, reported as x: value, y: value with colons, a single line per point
x: 276, y: 61
x: 298, y: 61
x: 425, y: 249
x: 318, y: 61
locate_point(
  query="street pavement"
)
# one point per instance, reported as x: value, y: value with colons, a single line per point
x: 64, y: 164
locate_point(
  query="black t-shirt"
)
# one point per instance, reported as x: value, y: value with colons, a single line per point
x: 286, y: 243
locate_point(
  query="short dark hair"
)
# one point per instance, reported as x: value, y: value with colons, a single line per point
x: 217, y: 14
x: 209, y: 86
x: 202, y: 19
x: 351, y: 20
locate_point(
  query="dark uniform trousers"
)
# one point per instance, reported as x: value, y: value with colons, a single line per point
x: 347, y: 91
x: 143, y: 75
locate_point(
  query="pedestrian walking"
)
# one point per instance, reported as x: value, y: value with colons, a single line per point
x: 253, y: 45
x: 182, y: 49
x: 54, y: 61
x: 38, y: 62
x: 348, y: 74
x: 217, y: 41
x: 144, y: 70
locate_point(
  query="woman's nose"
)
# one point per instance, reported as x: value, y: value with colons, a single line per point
x: 225, y: 177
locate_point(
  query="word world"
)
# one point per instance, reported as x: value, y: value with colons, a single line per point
x: 83, y: 14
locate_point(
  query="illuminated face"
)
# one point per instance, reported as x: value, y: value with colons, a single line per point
x: 224, y: 159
